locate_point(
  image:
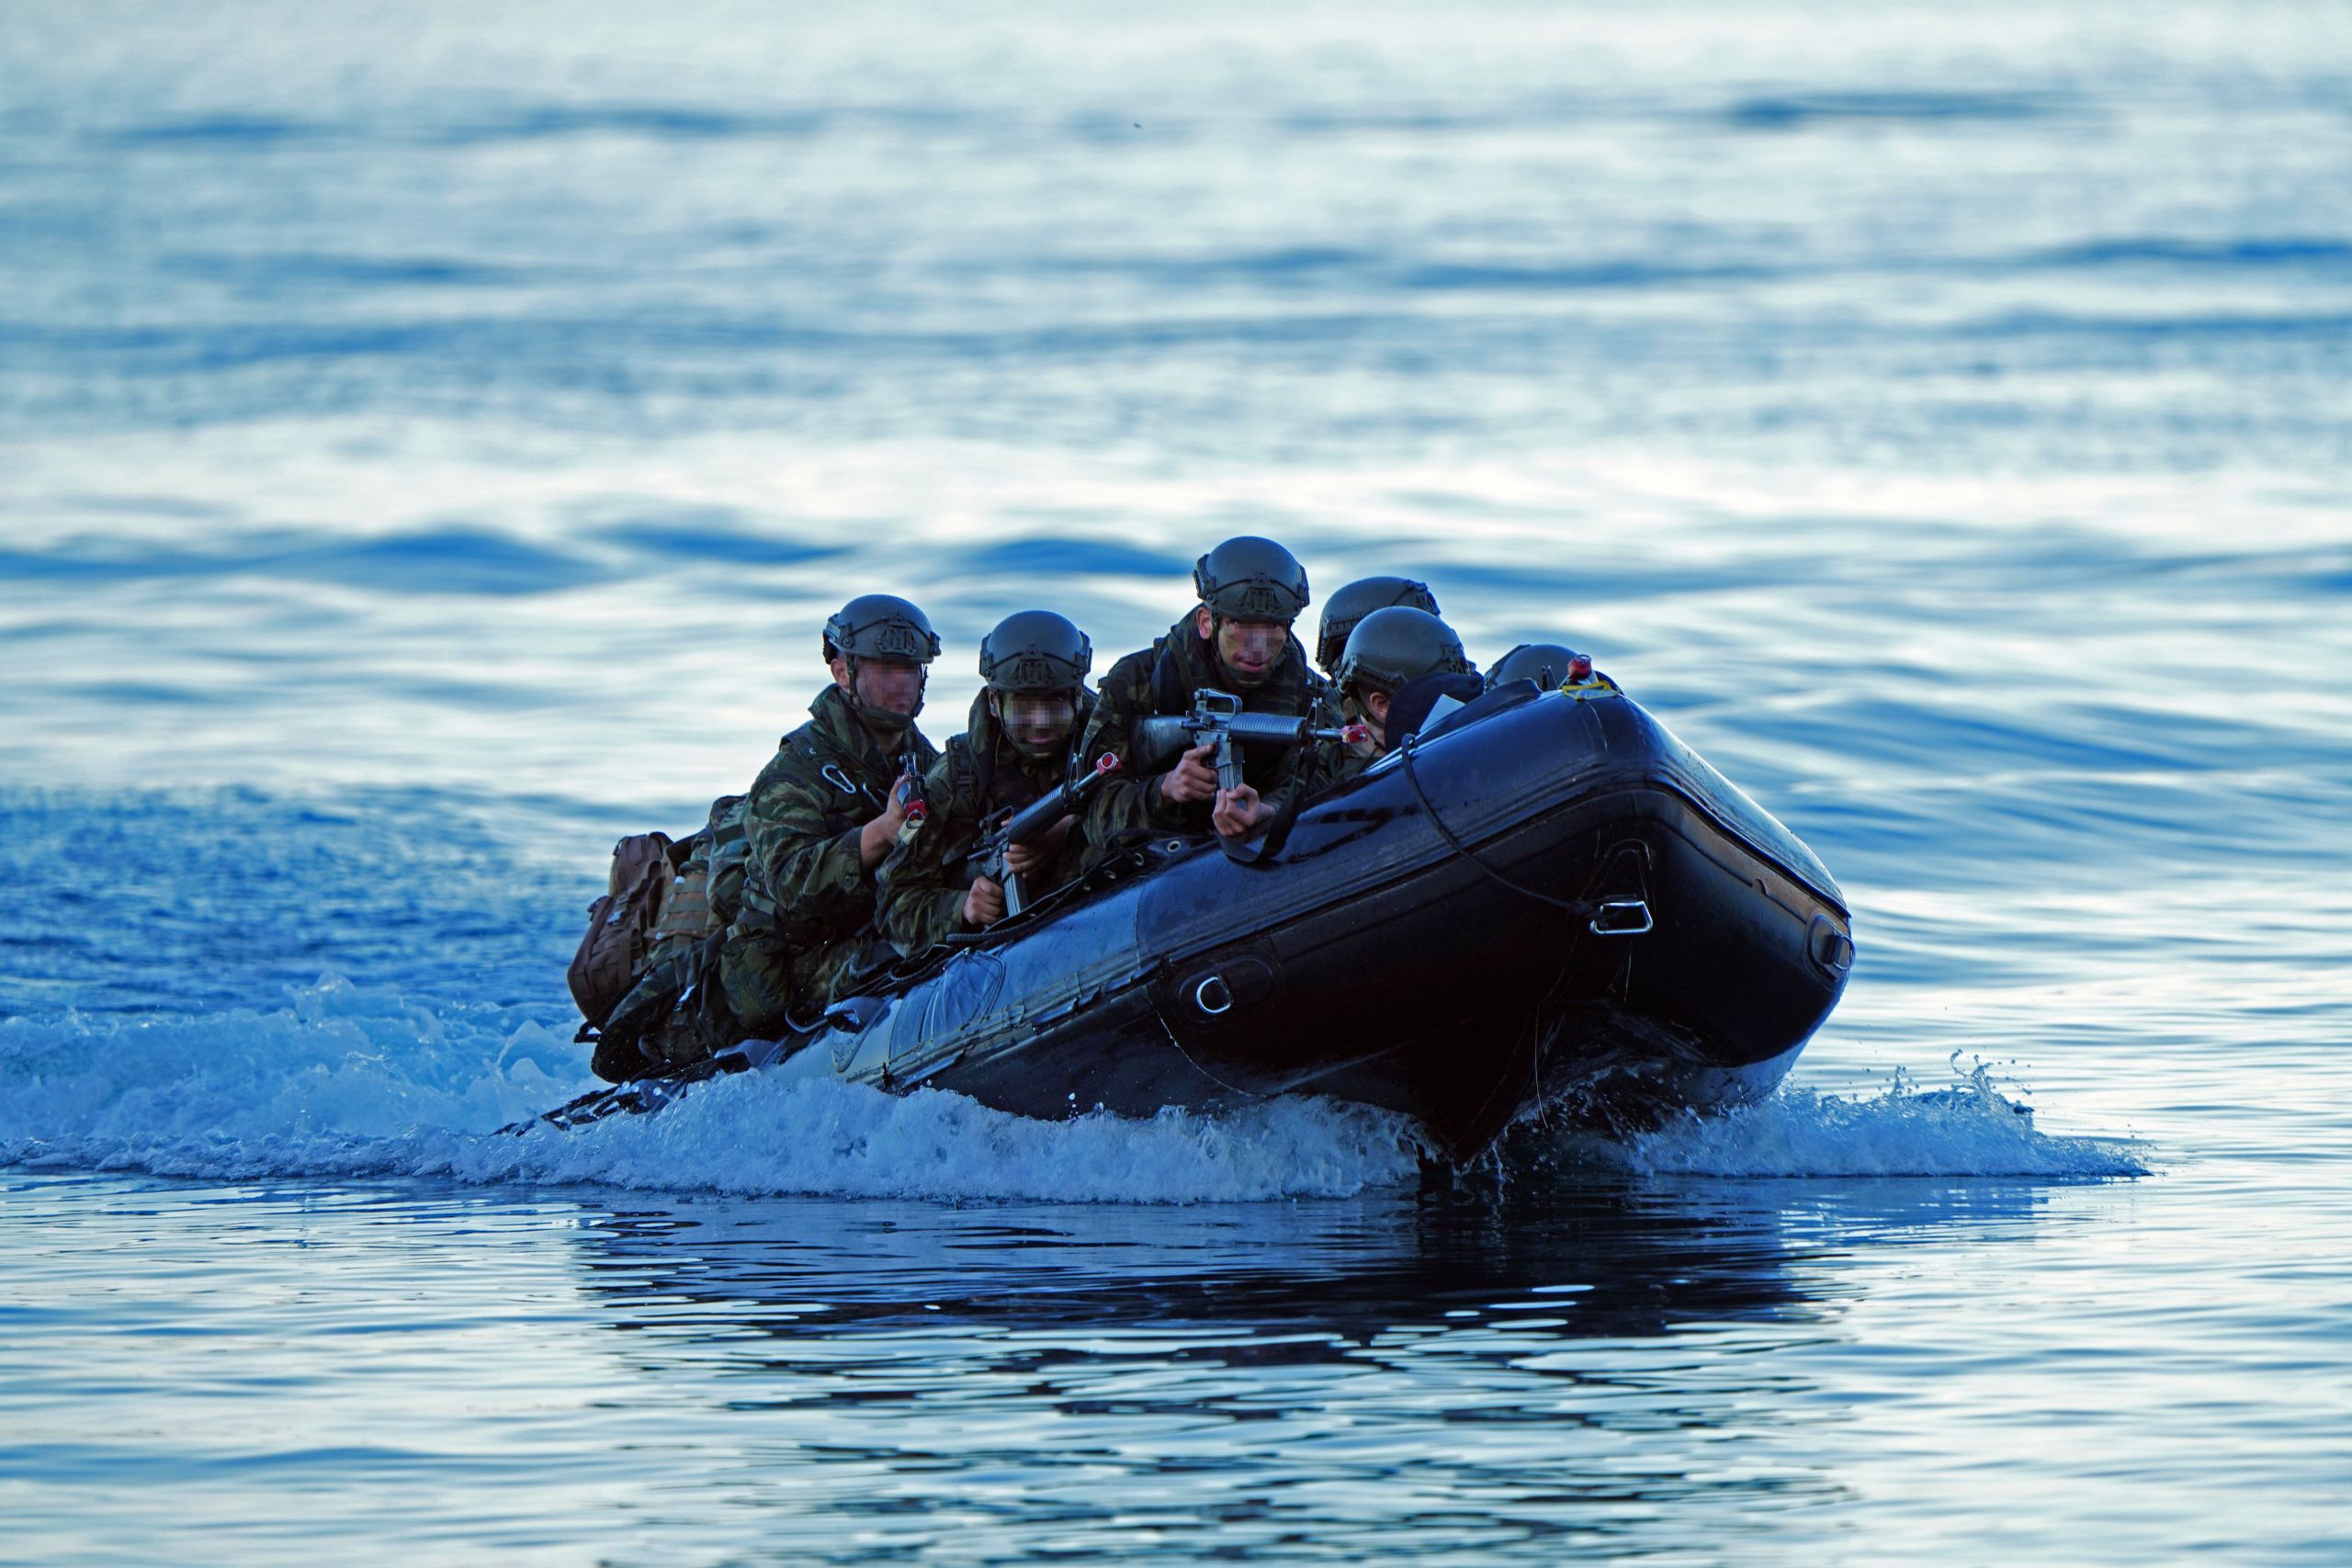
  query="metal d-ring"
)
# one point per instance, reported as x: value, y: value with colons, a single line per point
x: 1602, y: 913
x: 1222, y: 992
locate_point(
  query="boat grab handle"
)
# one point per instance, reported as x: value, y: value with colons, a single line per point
x: 1605, y: 918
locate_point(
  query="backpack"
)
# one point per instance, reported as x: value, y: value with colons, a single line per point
x: 621, y: 925
x: 670, y: 1009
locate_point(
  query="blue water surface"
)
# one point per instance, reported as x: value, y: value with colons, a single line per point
x: 431, y: 438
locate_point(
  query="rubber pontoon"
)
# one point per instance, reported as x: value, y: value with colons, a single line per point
x: 1546, y: 902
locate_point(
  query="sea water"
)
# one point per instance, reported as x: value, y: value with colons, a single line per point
x: 431, y: 438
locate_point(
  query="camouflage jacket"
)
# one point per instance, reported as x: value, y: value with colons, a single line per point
x: 804, y: 882
x: 922, y: 886
x: 1161, y: 679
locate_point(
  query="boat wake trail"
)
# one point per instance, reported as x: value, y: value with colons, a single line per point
x: 365, y: 1081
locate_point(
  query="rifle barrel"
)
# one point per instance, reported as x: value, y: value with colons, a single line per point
x: 1267, y: 728
x: 1037, y: 816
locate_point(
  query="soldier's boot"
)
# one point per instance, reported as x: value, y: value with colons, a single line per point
x: 844, y: 968
x: 618, y: 1061
x: 621, y: 1043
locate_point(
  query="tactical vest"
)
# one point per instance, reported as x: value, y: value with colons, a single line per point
x: 1172, y: 681
x: 850, y: 800
x: 709, y: 885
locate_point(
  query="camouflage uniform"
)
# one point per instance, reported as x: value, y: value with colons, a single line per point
x: 1161, y: 679
x: 922, y: 886
x: 808, y: 899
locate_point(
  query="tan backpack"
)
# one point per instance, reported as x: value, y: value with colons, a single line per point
x: 621, y: 925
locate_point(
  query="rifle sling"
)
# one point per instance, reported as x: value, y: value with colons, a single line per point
x: 1269, y: 844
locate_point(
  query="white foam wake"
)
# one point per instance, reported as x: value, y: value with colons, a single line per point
x: 358, y: 1082
x: 1968, y: 1129
x: 350, y: 1080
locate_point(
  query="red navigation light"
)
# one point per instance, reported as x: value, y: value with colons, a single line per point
x: 1580, y: 667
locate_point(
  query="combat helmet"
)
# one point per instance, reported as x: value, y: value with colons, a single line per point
x: 1393, y: 646
x: 880, y: 625
x: 1548, y: 664
x: 1249, y: 579
x: 1358, y: 599
x: 1036, y: 651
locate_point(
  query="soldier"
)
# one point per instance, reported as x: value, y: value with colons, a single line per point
x: 1548, y: 664
x: 823, y: 814
x: 1398, y: 663
x: 1015, y: 749
x: 1236, y: 639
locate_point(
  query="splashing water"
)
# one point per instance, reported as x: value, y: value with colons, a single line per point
x: 355, y: 1080
x: 1967, y: 1130
x: 364, y: 1080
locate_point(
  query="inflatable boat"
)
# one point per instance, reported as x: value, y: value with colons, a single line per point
x: 1546, y: 905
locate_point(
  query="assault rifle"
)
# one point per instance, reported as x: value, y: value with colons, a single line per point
x: 1218, y: 720
x: 1030, y: 823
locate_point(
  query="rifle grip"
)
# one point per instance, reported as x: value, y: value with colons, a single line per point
x: 1228, y: 763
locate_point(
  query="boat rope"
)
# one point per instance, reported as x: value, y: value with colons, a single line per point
x: 1193, y: 1063
x: 1584, y: 910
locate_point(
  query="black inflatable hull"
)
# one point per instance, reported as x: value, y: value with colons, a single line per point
x: 1408, y: 948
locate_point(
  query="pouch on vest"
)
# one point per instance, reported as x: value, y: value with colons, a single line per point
x: 621, y: 925
x: 709, y: 886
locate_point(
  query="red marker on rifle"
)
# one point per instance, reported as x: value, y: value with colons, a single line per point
x: 908, y: 793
